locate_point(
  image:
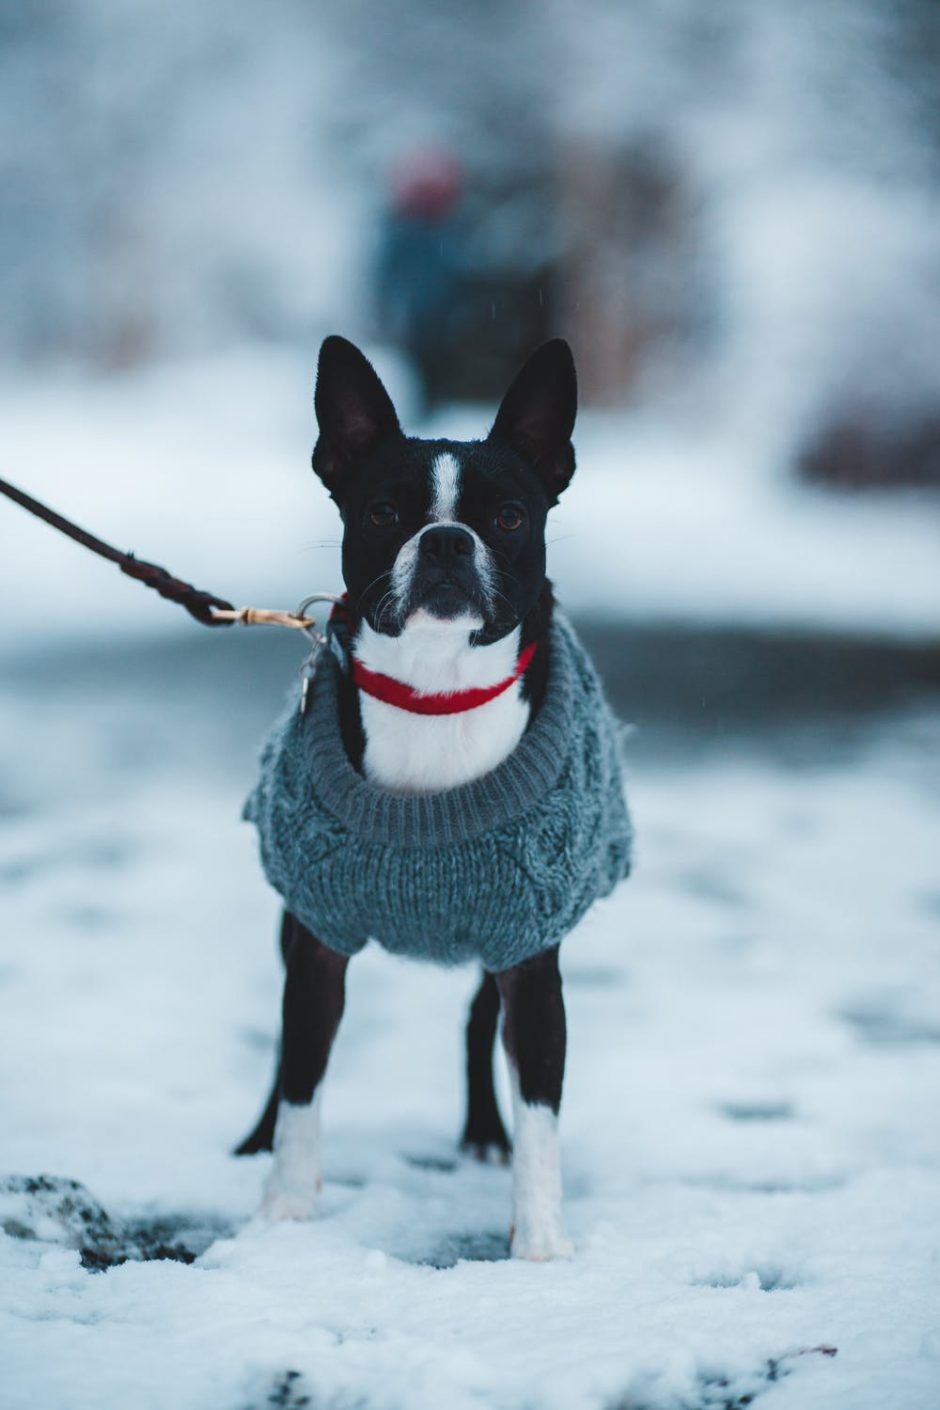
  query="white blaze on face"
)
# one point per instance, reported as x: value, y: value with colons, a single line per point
x: 445, y: 488
x: 445, y: 498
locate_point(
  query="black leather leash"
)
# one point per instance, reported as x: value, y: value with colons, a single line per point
x: 201, y: 605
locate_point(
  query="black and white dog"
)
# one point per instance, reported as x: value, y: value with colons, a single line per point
x: 444, y: 565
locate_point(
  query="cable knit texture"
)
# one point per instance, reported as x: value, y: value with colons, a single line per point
x: 497, y: 870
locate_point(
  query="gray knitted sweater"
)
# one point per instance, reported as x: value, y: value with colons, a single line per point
x: 498, y: 869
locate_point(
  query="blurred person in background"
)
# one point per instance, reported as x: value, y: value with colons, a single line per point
x: 421, y: 264
x: 465, y: 270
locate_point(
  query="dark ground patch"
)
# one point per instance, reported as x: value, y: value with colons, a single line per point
x: 758, y: 1111
x: 882, y: 1026
x: 102, y: 1242
x: 718, y: 1391
x: 475, y: 1247
x: 288, y: 1392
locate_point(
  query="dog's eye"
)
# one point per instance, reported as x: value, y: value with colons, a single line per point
x: 383, y: 514
x: 509, y: 518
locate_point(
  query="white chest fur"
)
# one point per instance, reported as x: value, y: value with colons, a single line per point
x: 413, y: 753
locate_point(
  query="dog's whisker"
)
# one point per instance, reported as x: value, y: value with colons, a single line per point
x: 385, y: 602
x: 387, y: 573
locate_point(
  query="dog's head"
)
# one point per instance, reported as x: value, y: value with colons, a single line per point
x: 454, y: 530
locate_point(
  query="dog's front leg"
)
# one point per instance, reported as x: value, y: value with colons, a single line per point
x: 534, y: 1039
x: 314, y: 995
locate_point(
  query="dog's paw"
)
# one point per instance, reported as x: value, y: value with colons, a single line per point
x: 493, y: 1152
x: 540, y: 1243
x: 289, y: 1201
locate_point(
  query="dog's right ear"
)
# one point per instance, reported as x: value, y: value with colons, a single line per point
x: 354, y: 411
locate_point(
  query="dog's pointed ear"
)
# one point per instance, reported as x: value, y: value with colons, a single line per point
x: 537, y: 415
x: 354, y: 411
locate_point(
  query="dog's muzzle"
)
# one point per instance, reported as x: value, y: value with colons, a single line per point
x: 445, y: 573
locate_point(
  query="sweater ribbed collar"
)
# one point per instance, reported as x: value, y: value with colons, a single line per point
x: 374, y: 814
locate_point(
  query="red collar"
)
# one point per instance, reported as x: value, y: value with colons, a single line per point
x: 405, y: 697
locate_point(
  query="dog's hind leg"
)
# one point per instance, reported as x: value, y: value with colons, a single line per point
x: 484, y: 1135
x: 314, y: 996
x: 534, y: 1036
x: 262, y: 1136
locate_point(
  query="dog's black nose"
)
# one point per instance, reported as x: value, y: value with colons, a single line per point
x: 446, y: 543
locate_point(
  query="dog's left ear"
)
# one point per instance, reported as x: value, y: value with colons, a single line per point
x: 537, y: 415
x: 354, y: 411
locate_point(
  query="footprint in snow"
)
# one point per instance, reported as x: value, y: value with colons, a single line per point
x: 762, y: 1277
x: 758, y: 1111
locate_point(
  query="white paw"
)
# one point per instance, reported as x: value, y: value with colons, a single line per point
x: 540, y: 1243
x: 289, y: 1201
x: 294, y: 1182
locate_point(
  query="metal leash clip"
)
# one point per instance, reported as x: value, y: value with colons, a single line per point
x: 317, y: 641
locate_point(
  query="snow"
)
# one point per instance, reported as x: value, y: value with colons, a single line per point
x: 749, y: 1154
x: 203, y: 467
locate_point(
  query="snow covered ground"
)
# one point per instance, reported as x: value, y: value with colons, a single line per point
x: 750, y: 1143
x: 202, y: 467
